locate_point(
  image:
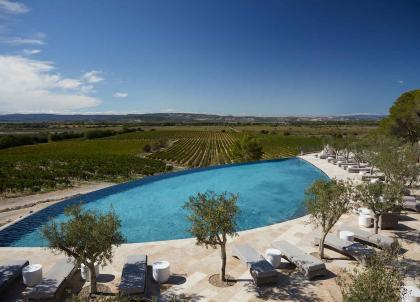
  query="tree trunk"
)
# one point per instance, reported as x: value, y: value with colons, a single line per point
x: 376, y: 223
x: 321, y: 245
x: 223, y: 255
x: 93, y: 289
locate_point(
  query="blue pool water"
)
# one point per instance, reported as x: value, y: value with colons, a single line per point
x: 151, y: 208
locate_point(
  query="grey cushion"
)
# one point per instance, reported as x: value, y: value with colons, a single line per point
x: 307, y: 263
x: 133, y: 276
x: 53, y: 280
x: 379, y: 240
x: 9, y: 271
x: 246, y: 253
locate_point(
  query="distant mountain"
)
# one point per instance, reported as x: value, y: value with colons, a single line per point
x: 176, y: 118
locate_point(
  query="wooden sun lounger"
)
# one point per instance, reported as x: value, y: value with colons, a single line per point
x: 358, y: 169
x: 308, y: 264
x: 134, y: 276
x: 354, y: 250
x: 51, y: 285
x: 261, y: 270
x: 10, y: 271
x: 378, y: 240
x: 373, y: 176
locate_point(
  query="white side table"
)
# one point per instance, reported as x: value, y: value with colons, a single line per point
x: 85, y: 272
x: 161, y: 271
x: 365, y: 220
x: 412, y: 294
x: 273, y: 256
x: 347, y: 235
x: 32, y: 274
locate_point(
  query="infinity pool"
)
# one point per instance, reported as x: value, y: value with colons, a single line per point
x: 151, y: 208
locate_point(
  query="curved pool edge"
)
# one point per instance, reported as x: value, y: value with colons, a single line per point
x: 132, y: 183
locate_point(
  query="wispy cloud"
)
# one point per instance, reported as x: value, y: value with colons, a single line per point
x: 93, y: 76
x: 31, y: 51
x: 13, y: 7
x: 120, y: 95
x: 22, y: 41
x: 29, y: 85
x: 400, y: 82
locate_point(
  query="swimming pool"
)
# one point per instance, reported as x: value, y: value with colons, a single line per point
x: 151, y: 208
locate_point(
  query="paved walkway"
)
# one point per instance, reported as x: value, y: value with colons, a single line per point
x: 191, y: 265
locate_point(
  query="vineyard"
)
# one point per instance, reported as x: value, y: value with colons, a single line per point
x: 206, y: 148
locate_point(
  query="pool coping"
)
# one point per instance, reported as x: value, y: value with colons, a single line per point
x: 133, y: 183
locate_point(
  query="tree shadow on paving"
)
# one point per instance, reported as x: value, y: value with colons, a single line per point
x: 411, y: 267
x: 289, y: 287
x: 409, y: 234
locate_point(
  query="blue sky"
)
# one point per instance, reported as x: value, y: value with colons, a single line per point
x: 261, y: 57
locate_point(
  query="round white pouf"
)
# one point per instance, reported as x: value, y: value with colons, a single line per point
x: 412, y: 294
x: 273, y: 256
x: 161, y: 271
x: 347, y: 235
x: 365, y: 220
x: 85, y: 272
x: 32, y: 274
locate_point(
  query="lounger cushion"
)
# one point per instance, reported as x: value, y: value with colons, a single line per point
x: 379, y: 240
x: 246, y: 253
x: 133, y: 276
x: 51, y: 283
x: 9, y: 271
x: 305, y: 262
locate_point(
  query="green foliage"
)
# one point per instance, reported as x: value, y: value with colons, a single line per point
x: 404, y: 117
x: 7, y: 141
x: 381, y: 280
x: 59, y: 136
x: 246, y: 149
x: 380, y: 198
x: 326, y: 201
x: 98, y: 133
x: 213, y: 218
x: 147, y: 148
x: 87, y: 236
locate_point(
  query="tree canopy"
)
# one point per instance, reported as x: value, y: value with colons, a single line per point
x: 213, y: 218
x: 246, y: 149
x: 88, y: 236
x: 404, y: 117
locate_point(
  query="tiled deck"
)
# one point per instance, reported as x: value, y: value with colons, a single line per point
x: 192, y: 264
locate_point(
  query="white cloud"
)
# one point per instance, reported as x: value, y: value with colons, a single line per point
x: 93, y: 76
x: 401, y: 82
x: 32, y: 86
x: 120, y: 94
x: 24, y: 41
x: 31, y: 51
x: 13, y: 7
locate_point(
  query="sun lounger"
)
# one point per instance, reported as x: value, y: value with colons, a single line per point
x: 10, y: 271
x: 358, y: 169
x: 134, y: 276
x: 308, y: 264
x: 354, y: 250
x: 51, y: 285
x: 381, y: 241
x: 261, y: 270
x: 410, y: 203
x: 373, y: 176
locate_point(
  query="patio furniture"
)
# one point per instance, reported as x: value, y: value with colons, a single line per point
x: 52, y: 284
x: 10, y: 271
x: 365, y: 220
x: 363, y: 236
x: 261, y: 270
x: 32, y: 274
x: 85, y: 272
x: 411, y: 203
x: 354, y: 250
x: 161, y: 271
x: 346, y: 235
x: 134, y: 276
x: 412, y: 294
x: 307, y: 264
x: 273, y: 256
x: 373, y: 176
x: 389, y: 221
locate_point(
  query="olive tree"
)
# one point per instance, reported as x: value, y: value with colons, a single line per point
x: 88, y: 236
x: 246, y: 149
x: 213, y: 218
x: 380, y: 198
x: 326, y: 201
x: 381, y: 280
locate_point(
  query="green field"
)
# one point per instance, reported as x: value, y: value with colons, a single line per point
x: 53, y: 165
